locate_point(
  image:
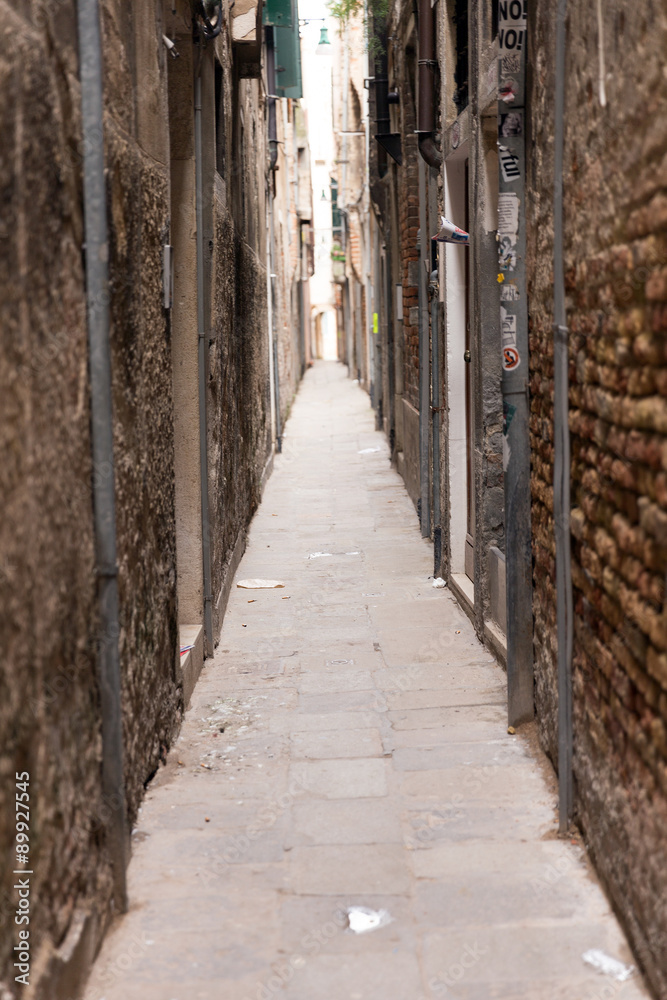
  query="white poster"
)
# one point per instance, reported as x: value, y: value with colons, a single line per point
x: 508, y: 213
x: 512, y: 16
x: 509, y: 164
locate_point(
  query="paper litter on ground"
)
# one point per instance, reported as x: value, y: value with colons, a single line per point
x: 607, y: 965
x: 260, y: 584
x: 361, y: 919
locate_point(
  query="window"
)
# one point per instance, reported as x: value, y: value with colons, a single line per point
x: 336, y: 224
x: 460, y: 33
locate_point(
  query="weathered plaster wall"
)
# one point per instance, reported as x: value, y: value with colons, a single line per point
x: 50, y: 711
x: 616, y: 266
x: 49, y: 704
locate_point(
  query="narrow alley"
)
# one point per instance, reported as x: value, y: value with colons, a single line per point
x: 333, y: 547
x: 347, y: 747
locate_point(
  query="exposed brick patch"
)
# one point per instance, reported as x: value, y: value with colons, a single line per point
x: 616, y: 261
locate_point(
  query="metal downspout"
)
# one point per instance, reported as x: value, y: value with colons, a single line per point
x: 369, y: 238
x: 275, y: 371
x: 203, y: 369
x: 427, y: 67
x: 104, y: 510
x: 269, y: 311
x: 273, y: 161
x: 342, y: 193
x: 564, y: 603
x: 424, y: 364
x: 435, y: 412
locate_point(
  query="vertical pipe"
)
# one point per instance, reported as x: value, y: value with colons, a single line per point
x: 424, y: 362
x: 279, y: 430
x: 203, y: 371
x: 369, y: 237
x: 269, y: 305
x: 342, y: 192
x: 427, y: 68
x: 435, y: 411
x: 564, y: 608
x: 104, y: 510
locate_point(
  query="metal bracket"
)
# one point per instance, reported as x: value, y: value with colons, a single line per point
x: 106, y: 569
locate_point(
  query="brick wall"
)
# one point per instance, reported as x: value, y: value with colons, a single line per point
x: 616, y: 265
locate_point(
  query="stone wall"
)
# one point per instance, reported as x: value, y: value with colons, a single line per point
x: 50, y: 713
x: 49, y: 699
x: 616, y: 267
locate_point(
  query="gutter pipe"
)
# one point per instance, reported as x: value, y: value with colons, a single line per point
x: 203, y: 370
x: 427, y: 67
x: 101, y: 414
x: 210, y: 30
x: 564, y: 601
x: 435, y: 412
x: 271, y: 99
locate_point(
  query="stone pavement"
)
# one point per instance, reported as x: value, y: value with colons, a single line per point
x: 348, y: 745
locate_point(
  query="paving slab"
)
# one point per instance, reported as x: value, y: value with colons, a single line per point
x: 345, y: 821
x: 347, y: 746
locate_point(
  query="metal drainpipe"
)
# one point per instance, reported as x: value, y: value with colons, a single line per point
x: 424, y: 366
x: 271, y: 99
x: 427, y: 67
x: 104, y: 508
x: 342, y: 193
x: 269, y: 311
x: 369, y: 339
x: 431, y: 156
x: 435, y: 411
x: 564, y: 602
x: 203, y: 369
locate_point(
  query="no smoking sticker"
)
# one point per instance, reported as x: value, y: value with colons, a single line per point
x: 510, y: 356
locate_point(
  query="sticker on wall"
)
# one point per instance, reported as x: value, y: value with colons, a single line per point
x: 509, y: 292
x: 508, y: 91
x: 507, y: 252
x: 509, y: 164
x: 507, y: 453
x: 508, y: 415
x: 510, y: 64
x: 508, y: 213
x: 512, y: 17
x: 510, y: 123
x: 511, y: 359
